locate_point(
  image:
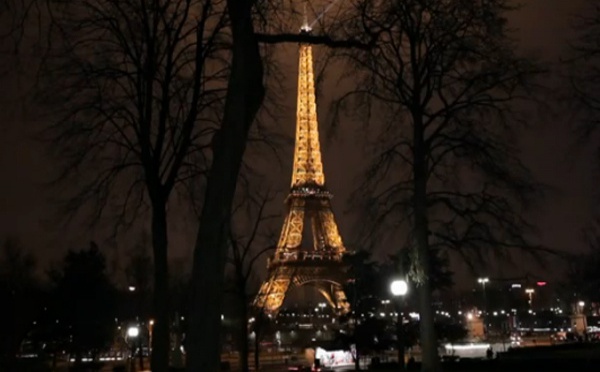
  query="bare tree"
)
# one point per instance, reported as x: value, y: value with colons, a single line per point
x: 245, y: 94
x: 251, y: 238
x: 14, y: 14
x: 584, y: 71
x: 439, y: 90
x: 137, y: 97
x: 134, y: 90
x: 21, y: 293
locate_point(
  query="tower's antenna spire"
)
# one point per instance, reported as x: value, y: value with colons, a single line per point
x: 305, y: 26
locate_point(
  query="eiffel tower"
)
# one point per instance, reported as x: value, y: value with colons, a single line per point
x: 295, y: 265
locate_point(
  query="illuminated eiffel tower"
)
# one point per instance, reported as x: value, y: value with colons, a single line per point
x: 295, y: 265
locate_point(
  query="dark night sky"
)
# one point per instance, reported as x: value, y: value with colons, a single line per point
x: 542, y: 28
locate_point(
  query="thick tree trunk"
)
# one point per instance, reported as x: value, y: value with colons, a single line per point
x: 430, y: 360
x: 244, y: 349
x: 160, y: 332
x: 245, y: 93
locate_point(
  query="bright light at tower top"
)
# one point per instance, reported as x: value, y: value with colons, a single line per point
x: 305, y: 26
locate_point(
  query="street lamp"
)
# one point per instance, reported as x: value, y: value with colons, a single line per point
x: 132, y: 333
x: 530, y: 292
x: 483, y: 282
x: 150, y: 330
x: 581, y: 312
x: 399, y: 288
x: 580, y: 307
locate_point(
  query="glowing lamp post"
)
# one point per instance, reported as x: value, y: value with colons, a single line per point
x: 150, y: 330
x: 399, y: 288
x: 132, y: 333
x: 580, y: 307
x: 530, y: 292
x: 483, y: 282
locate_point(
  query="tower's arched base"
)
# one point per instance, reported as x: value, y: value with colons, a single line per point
x: 285, y: 278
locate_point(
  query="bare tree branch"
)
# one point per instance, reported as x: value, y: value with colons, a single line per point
x: 584, y: 73
x: 134, y: 92
x: 439, y: 88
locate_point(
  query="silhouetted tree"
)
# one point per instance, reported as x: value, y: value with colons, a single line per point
x: 249, y: 244
x: 400, y: 265
x: 450, y: 331
x: 584, y: 77
x: 20, y: 294
x: 370, y: 280
x: 138, y: 271
x: 261, y: 326
x: 584, y: 73
x: 134, y: 89
x: 14, y: 15
x: 84, y: 302
x: 583, y: 276
x: 370, y: 335
x: 365, y: 280
x: 439, y: 87
x: 245, y: 94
